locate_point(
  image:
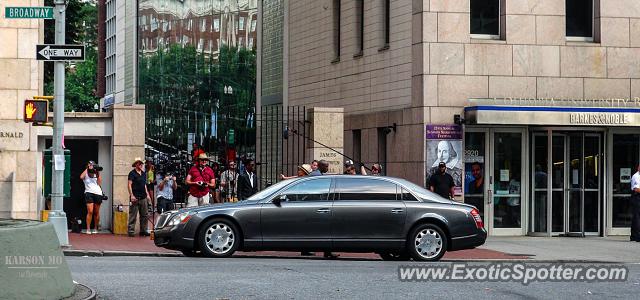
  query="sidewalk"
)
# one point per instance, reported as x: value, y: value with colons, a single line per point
x: 108, y: 244
x: 593, y: 249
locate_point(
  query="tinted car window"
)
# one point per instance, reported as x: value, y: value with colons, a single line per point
x: 365, y: 189
x: 407, y: 196
x: 309, y: 190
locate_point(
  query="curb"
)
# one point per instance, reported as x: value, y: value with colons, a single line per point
x: 80, y: 289
x: 100, y: 253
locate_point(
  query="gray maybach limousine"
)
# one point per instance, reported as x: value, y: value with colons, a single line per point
x: 389, y: 216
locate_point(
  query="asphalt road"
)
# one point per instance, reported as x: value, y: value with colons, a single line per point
x: 279, y: 278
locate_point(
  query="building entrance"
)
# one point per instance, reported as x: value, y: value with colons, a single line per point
x: 494, y: 171
x: 566, y: 183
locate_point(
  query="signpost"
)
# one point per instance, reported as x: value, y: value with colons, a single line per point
x: 28, y: 12
x: 57, y: 216
x: 60, y: 52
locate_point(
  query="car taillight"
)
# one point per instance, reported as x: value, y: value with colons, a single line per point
x: 476, y: 217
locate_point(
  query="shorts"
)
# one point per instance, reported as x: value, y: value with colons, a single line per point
x: 150, y: 187
x: 93, y: 198
x: 197, y: 201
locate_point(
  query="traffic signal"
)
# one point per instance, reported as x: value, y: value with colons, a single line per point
x: 36, y: 111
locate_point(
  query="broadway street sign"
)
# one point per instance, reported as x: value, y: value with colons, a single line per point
x: 60, y: 52
x: 28, y: 12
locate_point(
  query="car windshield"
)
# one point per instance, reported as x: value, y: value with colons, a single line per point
x: 420, y: 191
x: 270, y: 190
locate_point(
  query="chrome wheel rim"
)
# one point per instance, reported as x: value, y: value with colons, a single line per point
x: 219, y: 238
x: 428, y: 243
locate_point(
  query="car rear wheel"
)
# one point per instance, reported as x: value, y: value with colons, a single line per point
x: 427, y: 242
x: 394, y: 256
x: 219, y: 238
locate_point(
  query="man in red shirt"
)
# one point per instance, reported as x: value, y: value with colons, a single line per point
x: 200, y: 179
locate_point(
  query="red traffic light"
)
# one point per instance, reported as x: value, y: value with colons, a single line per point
x: 36, y: 111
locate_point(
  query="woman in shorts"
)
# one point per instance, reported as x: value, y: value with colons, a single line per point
x: 93, y: 195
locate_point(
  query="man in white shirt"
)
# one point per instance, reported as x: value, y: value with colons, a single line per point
x: 635, y: 206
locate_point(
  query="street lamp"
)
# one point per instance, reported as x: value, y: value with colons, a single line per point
x: 228, y: 90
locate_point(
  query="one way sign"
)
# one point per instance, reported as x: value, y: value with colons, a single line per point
x: 59, y: 52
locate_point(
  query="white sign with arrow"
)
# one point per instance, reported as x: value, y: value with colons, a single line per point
x: 60, y: 52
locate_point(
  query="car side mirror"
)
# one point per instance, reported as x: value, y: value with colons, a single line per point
x: 279, y: 199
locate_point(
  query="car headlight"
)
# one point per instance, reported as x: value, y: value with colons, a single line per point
x: 180, y: 218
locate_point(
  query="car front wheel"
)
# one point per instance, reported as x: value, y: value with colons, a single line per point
x: 219, y: 238
x: 427, y: 242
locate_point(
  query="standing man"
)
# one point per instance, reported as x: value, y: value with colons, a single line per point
x: 229, y: 183
x: 247, y: 181
x: 635, y: 206
x: 138, y: 195
x: 200, y: 179
x: 442, y: 183
x: 166, y: 185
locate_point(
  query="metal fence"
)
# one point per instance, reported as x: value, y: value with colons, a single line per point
x: 279, y: 154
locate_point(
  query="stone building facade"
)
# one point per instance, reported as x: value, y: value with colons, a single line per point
x: 497, y: 86
x: 20, y: 78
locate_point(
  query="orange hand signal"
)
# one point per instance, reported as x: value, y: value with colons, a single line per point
x: 30, y: 110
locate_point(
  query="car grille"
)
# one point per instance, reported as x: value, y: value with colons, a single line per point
x: 162, y: 221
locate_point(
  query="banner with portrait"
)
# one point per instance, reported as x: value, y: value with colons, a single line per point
x: 444, y: 144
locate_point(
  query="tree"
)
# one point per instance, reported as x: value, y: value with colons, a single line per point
x: 80, y: 28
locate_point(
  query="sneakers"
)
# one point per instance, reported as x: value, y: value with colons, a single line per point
x: 94, y: 231
x: 85, y: 231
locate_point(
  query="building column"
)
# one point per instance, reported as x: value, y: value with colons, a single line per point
x: 327, y: 131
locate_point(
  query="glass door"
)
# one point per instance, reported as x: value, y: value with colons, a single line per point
x: 572, y: 181
x: 584, y: 192
x: 540, y: 182
x: 575, y: 204
x: 505, y: 195
x: 625, y: 149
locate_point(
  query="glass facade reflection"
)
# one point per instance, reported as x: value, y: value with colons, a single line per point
x: 197, y: 75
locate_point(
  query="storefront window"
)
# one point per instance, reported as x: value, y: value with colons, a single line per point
x: 474, y: 170
x: 625, y: 155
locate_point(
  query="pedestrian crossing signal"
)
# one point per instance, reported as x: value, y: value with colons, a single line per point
x: 36, y: 111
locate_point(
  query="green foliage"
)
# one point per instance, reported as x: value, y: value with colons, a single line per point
x: 80, y: 28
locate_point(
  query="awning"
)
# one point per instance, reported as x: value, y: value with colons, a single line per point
x: 552, y: 115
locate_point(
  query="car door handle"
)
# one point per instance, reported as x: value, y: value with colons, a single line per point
x: 323, y: 211
x: 396, y: 210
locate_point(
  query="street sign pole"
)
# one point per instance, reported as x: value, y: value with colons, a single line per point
x: 57, y: 216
